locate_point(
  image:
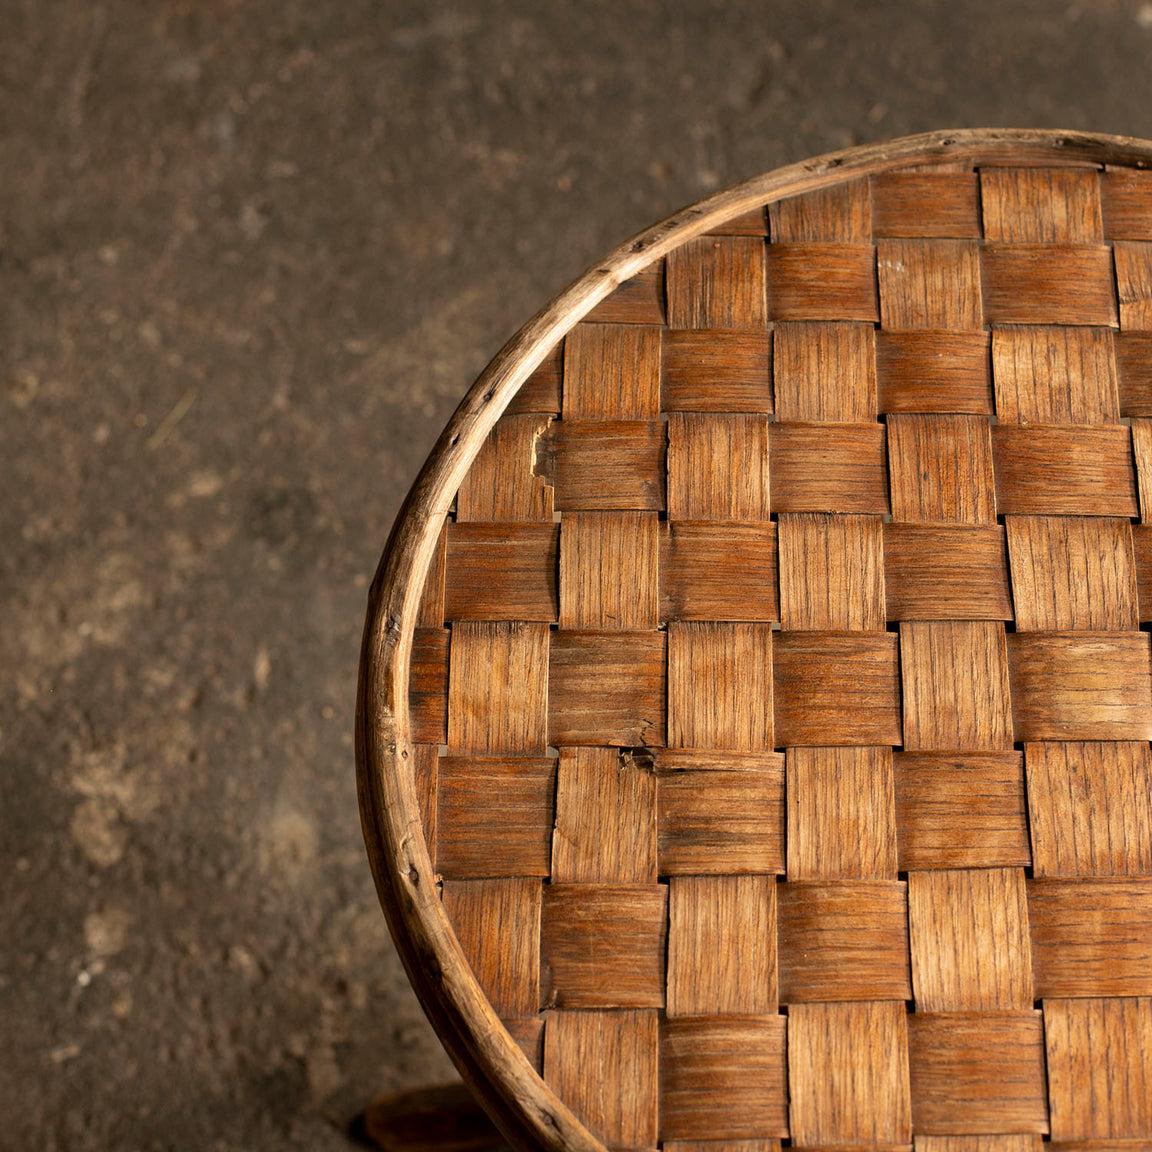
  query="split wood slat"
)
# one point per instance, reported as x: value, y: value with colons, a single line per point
x: 609, y: 571
x: 929, y: 284
x: 503, y: 482
x: 607, y: 688
x: 936, y: 205
x: 709, y: 371
x: 822, y: 282
x: 1041, y: 205
x: 1081, y: 685
x: 977, y: 1072
x: 831, y: 572
x: 1090, y: 807
x: 604, y: 1066
x: 501, y: 572
x: 841, y: 822
x: 1072, y: 572
x: 1060, y: 470
x: 723, y: 1078
x: 1091, y: 937
x: 955, y: 677
x: 946, y: 572
x: 971, y: 949
x: 1055, y: 375
x: 841, y: 214
x: 1098, y: 1070
x: 720, y: 686
x: 779, y: 696
x: 843, y: 940
x: 494, y: 816
x: 498, y: 688
x: 711, y: 571
x: 722, y: 946
x: 1049, y: 284
x: 941, y: 469
x: 824, y: 372
x: 828, y: 468
x: 612, y: 372
x: 960, y: 811
x: 603, y: 945
x: 605, y: 819
x: 848, y: 1075
x: 722, y: 822
x: 933, y: 372
x: 717, y: 282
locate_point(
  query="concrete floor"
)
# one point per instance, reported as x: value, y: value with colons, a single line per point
x: 251, y: 255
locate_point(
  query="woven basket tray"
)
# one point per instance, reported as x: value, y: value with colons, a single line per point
x: 755, y: 702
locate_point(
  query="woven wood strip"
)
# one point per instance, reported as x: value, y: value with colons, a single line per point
x: 780, y: 690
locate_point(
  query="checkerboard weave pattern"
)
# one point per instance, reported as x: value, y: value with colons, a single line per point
x: 817, y: 551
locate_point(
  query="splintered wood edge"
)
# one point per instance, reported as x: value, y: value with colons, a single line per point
x: 528, y: 1112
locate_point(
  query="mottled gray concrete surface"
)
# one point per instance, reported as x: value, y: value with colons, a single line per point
x: 251, y: 254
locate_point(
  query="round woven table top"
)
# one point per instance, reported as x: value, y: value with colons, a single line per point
x: 755, y: 701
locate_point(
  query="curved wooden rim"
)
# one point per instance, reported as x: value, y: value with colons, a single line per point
x: 525, y: 1108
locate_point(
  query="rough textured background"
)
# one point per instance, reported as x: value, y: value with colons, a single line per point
x: 251, y: 254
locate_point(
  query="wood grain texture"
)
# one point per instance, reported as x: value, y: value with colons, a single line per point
x: 1081, y: 685
x: 841, y: 821
x: 605, y: 819
x: 977, y: 1072
x: 836, y: 688
x: 831, y: 572
x: 609, y: 571
x: 723, y: 1078
x: 720, y: 686
x: 1055, y: 375
x: 936, y: 205
x: 1041, y: 205
x: 722, y: 946
x: 971, y: 949
x: 828, y: 468
x: 946, y: 572
x: 1098, y: 1070
x: 1064, y: 471
x: 1142, y: 450
x: 933, y: 372
x: 607, y: 464
x: 607, y: 688
x: 1134, y: 369
x: 1017, y: 1142
x: 431, y: 613
x: 1091, y: 937
x: 822, y: 282
x: 717, y: 467
x: 428, y: 685
x: 848, y: 1075
x: 501, y: 572
x: 843, y: 940
x: 639, y: 299
x: 722, y: 822
x: 941, y: 469
x: 717, y: 282
x: 1090, y: 807
x: 824, y: 371
x: 612, y: 372
x: 1134, y: 284
x: 842, y: 213
x: 710, y: 371
x: 1073, y: 572
x: 425, y: 775
x: 961, y: 811
x: 955, y: 678
x: 1048, y: 284
x: 604, y: 1066
x: 719, y: 571
x: 494, y: 816
x: 1126, y: 196
x: 603, y: 945
x: 497, y: 923
x: 929, y: 284
x: 541, y: 391
x: 1142, y: 546
x: 498, y: 688
x: 503, y: 482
